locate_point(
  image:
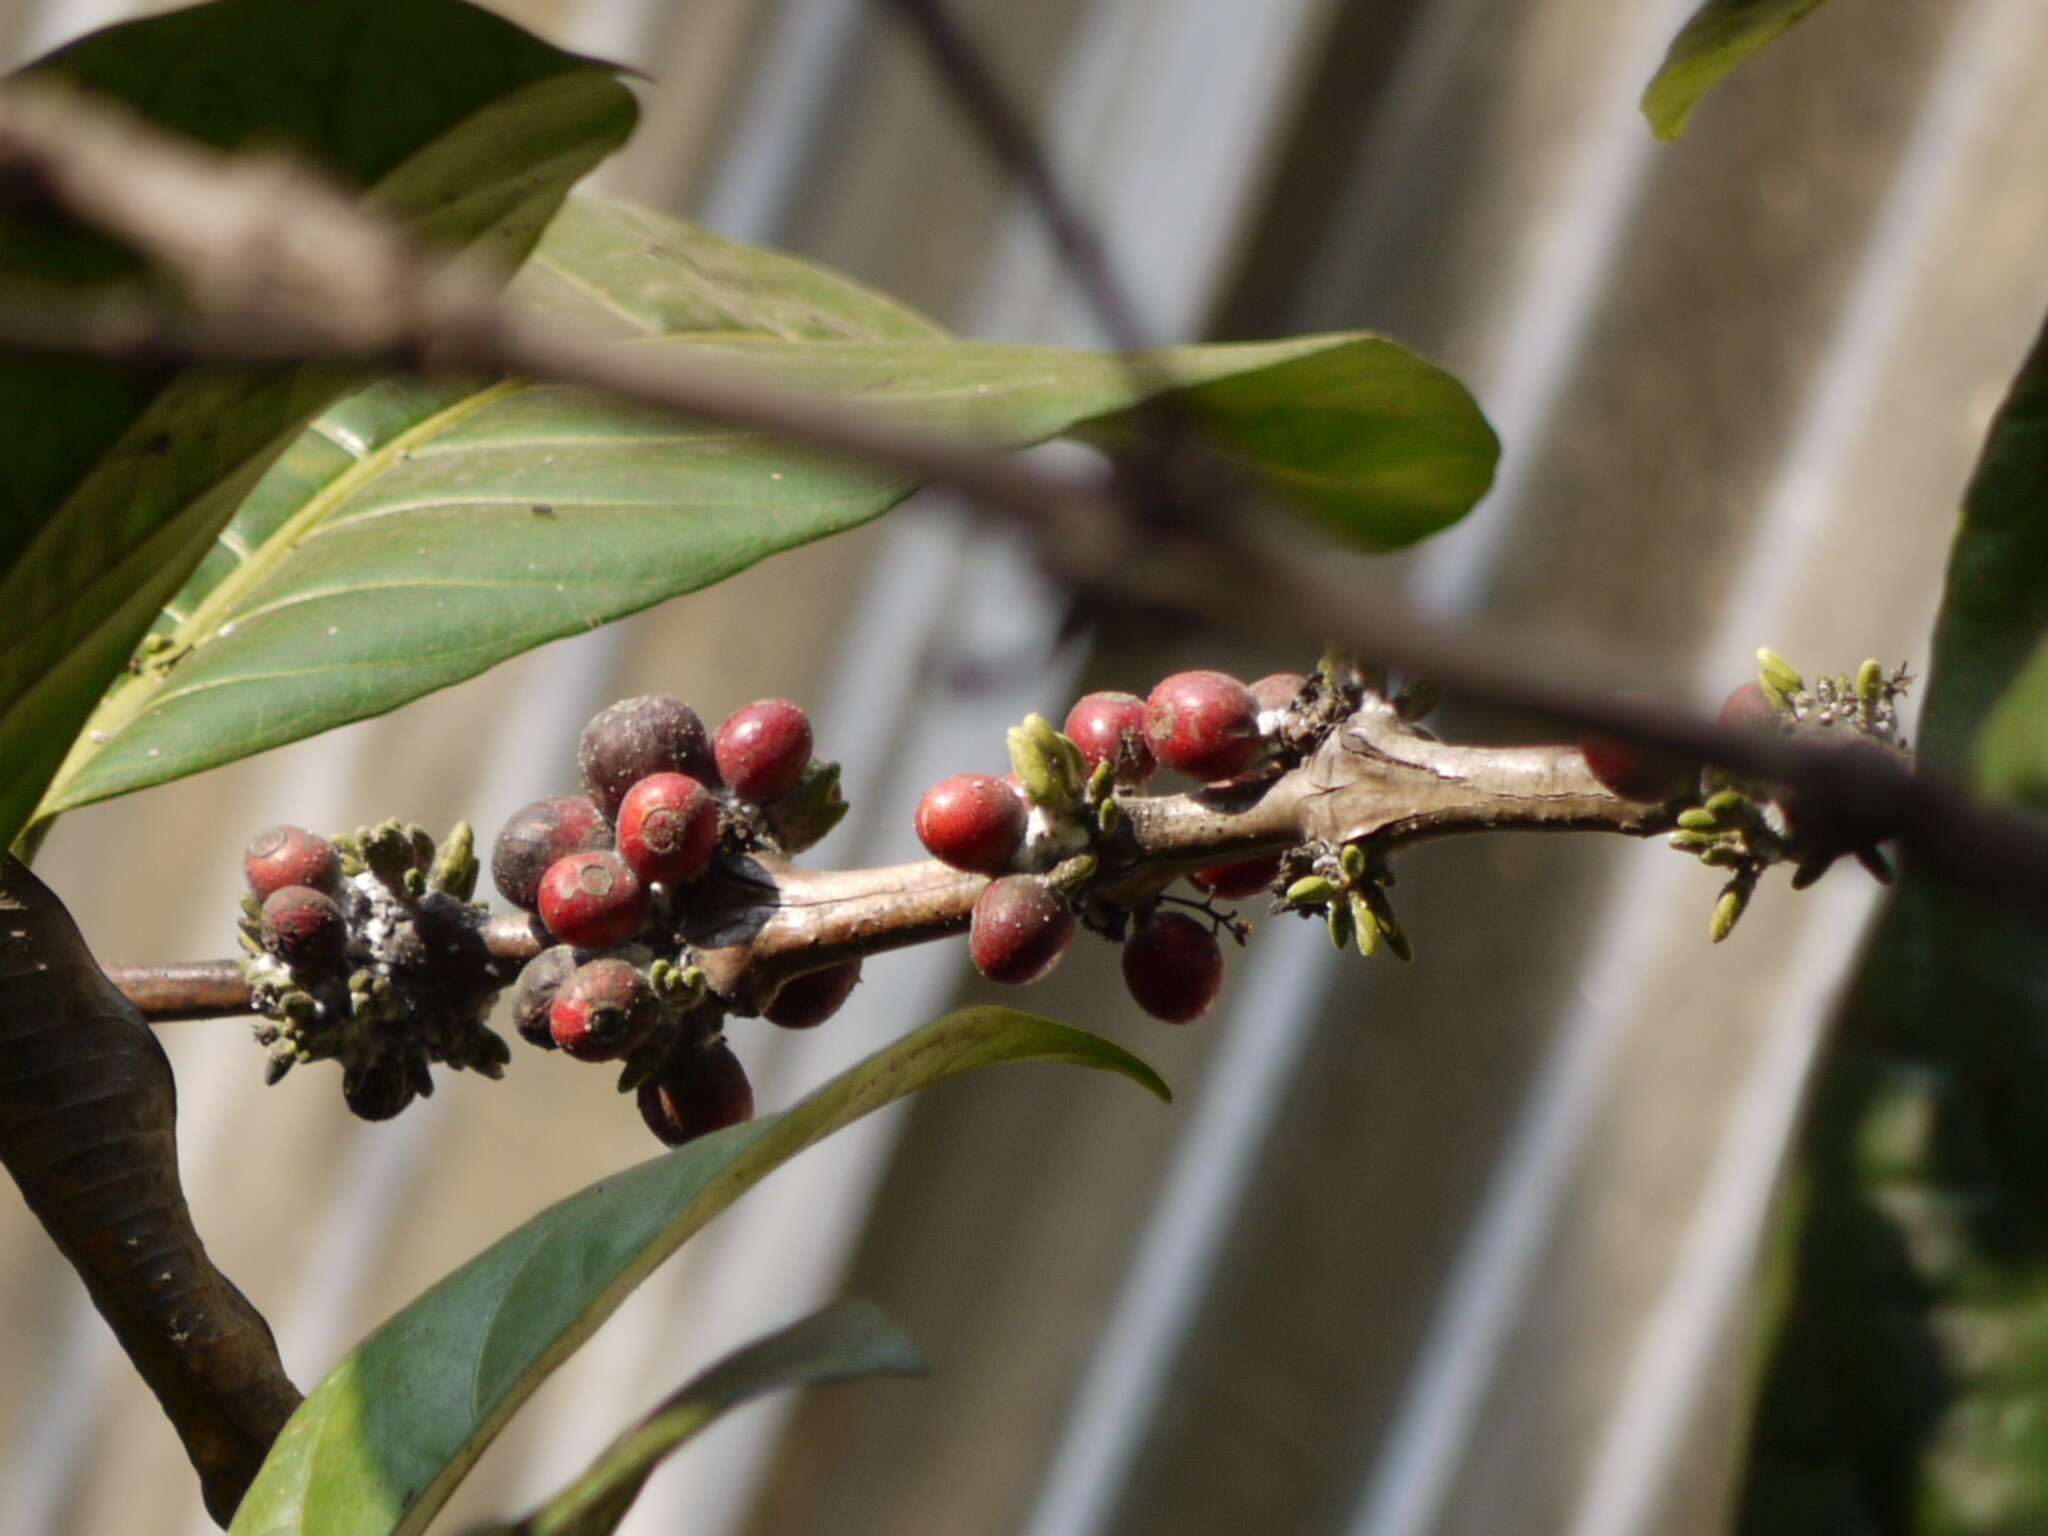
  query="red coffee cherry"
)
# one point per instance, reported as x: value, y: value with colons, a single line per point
x: 592, y: 900
x: 700, y: 1090
x: 1277, y: 690
x: 1019, y: 930
x: 605, y: 1010
x: 288, y: 855
x: 668, y: 828
x: 539, y: 834
x: 763, y: 749
x: 1633, y: 772
x: 633, y: 738
x: 1748, y: 708
x: 810, y: 999
x: 1174, y: 967
x: 1205, y: 724
x: 304, y: 927
x: 1110, y: 728
x: 1234, y: 882
x: 534, y: 993
x: 971, y: 821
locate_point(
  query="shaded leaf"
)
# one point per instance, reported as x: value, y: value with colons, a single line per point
x: 2012, y: 749
x: 114, y: 484
x: 1907, y: 1381
x: 1720, y: 35
x: 421, y: 533
x: 381, y: 1443
x: 845, y: 1341
x: 88, y: 1130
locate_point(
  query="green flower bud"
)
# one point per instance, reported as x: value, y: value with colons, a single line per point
x: 1311, y: 891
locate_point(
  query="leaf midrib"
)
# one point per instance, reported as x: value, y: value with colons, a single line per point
x: 131, y: 697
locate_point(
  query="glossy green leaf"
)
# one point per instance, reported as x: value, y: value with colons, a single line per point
x: 1720, y: 35
x: 844, y: 1342
x: 382, y: 1441
x: 422, y: 532
x: 113, y: 485
x: 1907, y: 1381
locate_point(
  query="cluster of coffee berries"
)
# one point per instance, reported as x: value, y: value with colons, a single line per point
x: 614, y: 874
x: 366, y: 949
x: 1053, y: 833
x: 1742, y: 827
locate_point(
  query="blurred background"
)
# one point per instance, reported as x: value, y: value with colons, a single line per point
x: 1456, y: 1248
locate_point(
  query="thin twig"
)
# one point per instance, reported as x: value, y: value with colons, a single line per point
x: 231, y: 231
x: 982, y: 100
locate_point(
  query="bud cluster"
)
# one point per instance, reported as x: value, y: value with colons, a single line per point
x: 1742, y: 827
x: 366, y: 949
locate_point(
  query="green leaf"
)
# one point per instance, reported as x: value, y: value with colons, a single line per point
x: 1907, y: 1383
x: 2012, y: 748
x: 1721, y: 34
x: 1995, y: 624
x: 113, y: 485
x: 420, y: 533
x: 380, y: 1444
x: 844, y: 1342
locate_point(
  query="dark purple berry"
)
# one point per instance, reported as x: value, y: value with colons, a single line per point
x: 605, y: 1010
x: 1174, y: 967
x: 288, y: 855
x: 1019, y: 930
x: 763, y: 749
x: 304, y: 927
x: 810, y: 999
x: 1204, y: 724
x: 668, y: 828
x: 633, y: 738
x: 972, y: 821
x: 534, y: 993
x: 592, y: 900
x: 1110, y: 728
x: 700, y: 1090
x: 538, y: 835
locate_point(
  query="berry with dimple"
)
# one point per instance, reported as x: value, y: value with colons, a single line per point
x: 605, y: 1010
x: 1234, y: 882
x: 633, y: 738
x: 668, y: 828
x: 1019, y: 930
x: 289, y: 855
x: 972, y: 821
x: 763, y: 749
x: 534, y: 993
x: 1748, y: 708
x: 810, y: 999
x: 700, y: 1090
x: 1174, y: 967
x: 1205, y: 724
x: 539, y: 834
x: 304, y: 927
x: 1110, y: 728
x: 592, y: 900
x: 1277, y: 690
